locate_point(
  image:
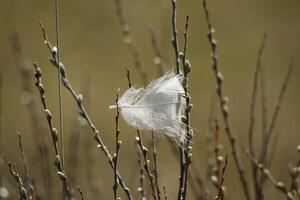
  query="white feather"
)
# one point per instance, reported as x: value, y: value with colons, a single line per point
x: 158, y: 107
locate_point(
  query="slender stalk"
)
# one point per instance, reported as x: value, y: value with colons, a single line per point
x: 155, y: 171
x: 221, y: 181
x: 257, y: 73
x: 21, y: 187
x: 28, y: 179
x: 189, y: 136
x: 144, y: 151
x: 59, y: 81
x: 174, y: 39
x: 81, y: 193
x: 118, y: 145
x: 223, y: 105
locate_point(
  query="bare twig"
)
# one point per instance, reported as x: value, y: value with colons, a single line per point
x: 223, y: 104
x: 81, y: 193
x: 118, y: 146
x: 165, y: 193
x: 280, y: 186
x: 83, y: 113
x: 278, y: 105
x: 144, y: 151
x: 187, y: 149
x: 221, y: 181
x: 217, y: 148
x: 174, y: 39
x: 155, y: 171
x: 54, y: 134
x: 15, y: 174
x: 258, y: 72
x: 127, y: 38
x: 28, y: 179
x: 141, y: 188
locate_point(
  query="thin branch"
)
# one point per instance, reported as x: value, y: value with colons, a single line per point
x: 15, y: 174
x: 223, y: 105
x: 54, y: 135
x: 141, y: 188
x: 155, y: 171
x: 83, y: 113
x: 118, y: 146
x: 217, y: 148
x: 28, y: 179
x: 278, y: 104
x: 188, y: 149
x: 144, y: 151
x: 165, y: 193
x: 174, y: 39
x: 81, y: 193
x: 258, y: 72
x: 127, y: 38
x: 221, y: 181
x: 277, y: 184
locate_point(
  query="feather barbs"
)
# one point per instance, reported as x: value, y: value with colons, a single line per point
x: 158, y: 107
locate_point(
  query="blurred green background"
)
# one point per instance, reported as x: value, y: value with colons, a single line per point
x: 96, y: 57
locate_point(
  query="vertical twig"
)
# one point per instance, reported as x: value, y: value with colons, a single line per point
x: 174, y: 39
x: 221, y: 181
x: 278, y: 105
x: 59, y: 81
x: 58, y: 163
x: 155, y: 171
x: 217, y: 150
x: 258, y: 72
x: 19, y: 181
x: 165, y: 193
x: 141, y: 188
x: 144, y: 151
x: 118, y: 145
x: 188, y: 149
x: 81, y: 193
x: 223, y: 104
x: 28, y: 179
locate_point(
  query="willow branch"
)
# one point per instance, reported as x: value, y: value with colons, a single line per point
x: 223, y: 104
